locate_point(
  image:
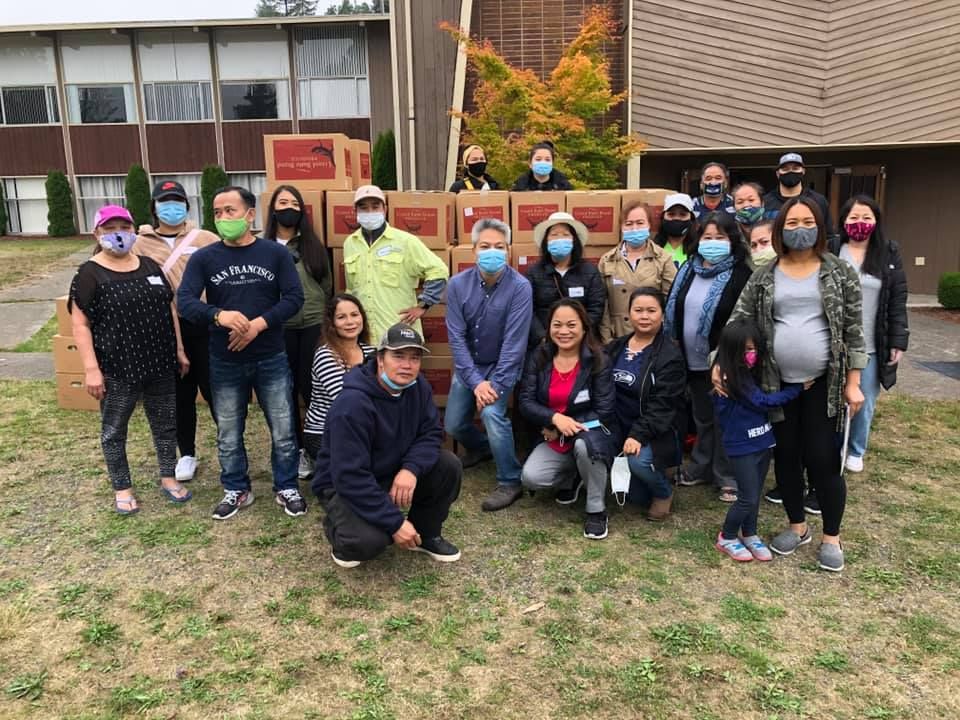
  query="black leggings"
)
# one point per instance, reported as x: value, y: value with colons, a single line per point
x: 301, y: 345
x: 196, y: 345
x: 807, y: 440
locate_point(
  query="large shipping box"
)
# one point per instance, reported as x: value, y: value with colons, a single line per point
x: 653, y: 197
x: 72, y: 393
x: 529, y: 209
x: 473, y: 205
x: 360, y: 163
x: 66, y: 355
x: 593, y: 253
x: 428, y: 215
x: 524, y: 255
x: 311, y: 162
x: 434, y: 323
x: 64, y: 322
x: 312, y: 206
x: 462, y: 258
x: 599, y: 211
x: 438, y: 370
x: 341, y: 220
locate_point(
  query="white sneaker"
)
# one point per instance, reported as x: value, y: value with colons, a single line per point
x: 305, y: 468
x: 854, y: 464
x: 186, y: 468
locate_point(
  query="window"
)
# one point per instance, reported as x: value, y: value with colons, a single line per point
x: 29, y: 106
x: 94, y: 193
x: 255, y: 100
x: 26, y: 204
x: 178, y: 101
x: 101, y: 104
x: 332, y: 72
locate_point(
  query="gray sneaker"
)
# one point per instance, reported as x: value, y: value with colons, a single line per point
x: 503, y: 496
x: 830, y: 557
x: 788, y: 541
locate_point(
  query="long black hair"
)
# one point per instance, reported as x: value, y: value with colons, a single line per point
x: 739, y: 379
x: 661, y: 239
x: 727, y: 224
x: 548, y: 349
x: 312, y: 252
x: 575, y: 255
x: 878, y: 246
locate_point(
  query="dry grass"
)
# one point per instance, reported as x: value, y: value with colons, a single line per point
x: 168, y: 614
x: 24, y: 259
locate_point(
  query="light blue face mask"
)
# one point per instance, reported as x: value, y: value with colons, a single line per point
x: 560, y: 248
x: 542, y: 167
x: 492, y: 261
x: 714, y: 250
x: 394, y: 386
x: 171, y: 212
x: 636, y: 238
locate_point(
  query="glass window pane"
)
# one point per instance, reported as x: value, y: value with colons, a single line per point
x: 25, y: 105
x: 249, y: 101
x: 102, y: 104
x: 177, y: 102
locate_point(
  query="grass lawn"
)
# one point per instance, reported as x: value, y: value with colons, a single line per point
x: 25, y: 258
x: 170, y: 615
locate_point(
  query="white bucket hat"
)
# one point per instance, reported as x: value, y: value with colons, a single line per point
x: 560, y: 218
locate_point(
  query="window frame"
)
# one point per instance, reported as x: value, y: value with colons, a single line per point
x: 133, y: 101
x: 143, y: 100
x: 264, y: 81
x: 51, y: 97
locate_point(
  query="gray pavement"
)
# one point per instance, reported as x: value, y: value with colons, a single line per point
x: 933, y: 340
x: 26, y: 366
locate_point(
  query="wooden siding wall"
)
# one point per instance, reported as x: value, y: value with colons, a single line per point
x: 31, y: 150
x: 795, y: 72
x: 357, y: 128
x: 104, y: 149
x: 380, y: 74
x: 181, y: 147
x: 243, y: 143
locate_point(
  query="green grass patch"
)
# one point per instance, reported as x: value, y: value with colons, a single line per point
x: 41, y: 341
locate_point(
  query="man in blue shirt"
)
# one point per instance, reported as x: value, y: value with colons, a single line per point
x: 251, y: 288
x: 489, y: 308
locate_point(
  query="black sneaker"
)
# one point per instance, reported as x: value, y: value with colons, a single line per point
x: 292, y: 501
x: 774, y: 496
x: 568, y: 496
x: 475, y: 457
x: 439, y: 549
x: 811, y: 504
x: 232, y: 501
x: 595, y: 526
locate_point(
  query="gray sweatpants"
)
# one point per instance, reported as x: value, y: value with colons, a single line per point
x: 546, y: 468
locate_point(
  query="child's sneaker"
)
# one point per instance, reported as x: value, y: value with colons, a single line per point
x: 758, y: 548
x: 734, y: 548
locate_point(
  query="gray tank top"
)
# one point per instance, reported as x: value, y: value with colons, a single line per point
x: 801, y: 335
x: 870, y: 286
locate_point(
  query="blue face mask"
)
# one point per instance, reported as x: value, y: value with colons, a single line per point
x: 172, y: 212
x: 560, y: 248
x: 714, y: 250
x: 542, y: 167
x: 712, y: 189
x: 394, y: 386
x: 636, y: 238
x: 492, y: 261
x: 118, y: 242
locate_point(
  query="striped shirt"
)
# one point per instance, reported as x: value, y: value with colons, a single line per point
x: 327, y: 374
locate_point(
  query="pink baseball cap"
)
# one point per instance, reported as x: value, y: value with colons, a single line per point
x: 110, y: 212
x: 369, y: 191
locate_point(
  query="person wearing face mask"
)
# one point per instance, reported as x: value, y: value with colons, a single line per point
x: 384, y: 267
x: 542, y: 175
x: 474, y: 172
x: 250, y: 288
x: 381, y: 455
x: 562, y: 272
x: 125, y: 325
x: 808, y: 306
x: 170, y: 242
x: 700, y: 302
x: 863, y: 244
x: 761, y: 244
x: 289, y: 225
x: 714, y: 190
x: 489, y: 308
x: 790, y: 174
x: 635, y: 262
x: 674, y: 234
x: 748, y: 206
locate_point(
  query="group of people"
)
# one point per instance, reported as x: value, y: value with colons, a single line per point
x: 742, y: 312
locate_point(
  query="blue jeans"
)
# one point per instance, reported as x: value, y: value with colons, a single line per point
x: 231, y: 384
x: 750, y: 471
x: 646, y: 481
x: 860, y: 424
x: 458, y: 422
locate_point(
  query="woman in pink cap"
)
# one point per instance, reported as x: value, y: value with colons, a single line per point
x: 125, y: 326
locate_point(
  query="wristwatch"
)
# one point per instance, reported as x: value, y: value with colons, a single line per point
x: 423, y: 305
x: 216, y: 318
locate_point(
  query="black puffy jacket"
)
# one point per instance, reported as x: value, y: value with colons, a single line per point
x: 556, y: 181
x: 581, y: 282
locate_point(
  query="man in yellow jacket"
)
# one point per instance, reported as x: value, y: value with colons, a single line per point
x: 384, y: 267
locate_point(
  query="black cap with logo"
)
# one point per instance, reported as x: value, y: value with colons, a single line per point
x: 400, y: 337
x: 169, y: 188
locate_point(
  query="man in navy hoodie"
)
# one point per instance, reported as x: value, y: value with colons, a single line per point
x: 381, y: 453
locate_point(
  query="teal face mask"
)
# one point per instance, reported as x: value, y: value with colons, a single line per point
x: 560, y: 248
x: 492, y: 261
x: 394, y: 386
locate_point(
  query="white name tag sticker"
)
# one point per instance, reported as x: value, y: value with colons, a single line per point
x: 468, y: 212
x: 576, y: 292
x: 384, y: 251
x: 582, y: 396
x: 190, y: 250
x: 618, y: 281
x: 154, y: 280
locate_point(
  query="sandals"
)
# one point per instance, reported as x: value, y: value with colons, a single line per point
x: 126, y: 506
x: 176, y: 498
x: 728, y: 495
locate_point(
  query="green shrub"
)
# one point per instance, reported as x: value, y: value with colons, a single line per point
x: 214, y: 177
x: 60, y: 220
x: 384, y: 161
x: 3, y: 211
x: 948, y: 290
x: 136, y: 190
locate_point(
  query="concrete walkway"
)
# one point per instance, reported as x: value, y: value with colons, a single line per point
x: 931, y: 340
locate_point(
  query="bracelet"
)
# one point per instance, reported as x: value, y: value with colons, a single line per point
x: 216, y: 318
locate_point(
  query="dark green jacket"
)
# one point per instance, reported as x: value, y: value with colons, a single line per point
x: 843, y: 306
x: 316, y: 295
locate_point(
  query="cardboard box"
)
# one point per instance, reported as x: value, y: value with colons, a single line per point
x: 341, y: 217
x: 428, y: 215
x: 462, y: 258
x: 312, y: 205
x: 651, y: 196
x: 434, y: 323
x: 599, y: 210
x: 64, y: 323
x: 311, y: 162
x: 529, y: 209
x: 438, y: 370
x: 524, y: 255
x: 66, y: 355
x: 360, y: 166
x: 593, y: 253
x: 473, y: 205
x: 340, y: 275
x: 72, y: 393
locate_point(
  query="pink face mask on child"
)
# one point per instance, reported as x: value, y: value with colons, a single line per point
x: 750, y: 358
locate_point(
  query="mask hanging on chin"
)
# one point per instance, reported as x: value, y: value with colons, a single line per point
x: 395, y: 386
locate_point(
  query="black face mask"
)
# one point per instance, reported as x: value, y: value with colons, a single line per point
x: 791, y: 179
x: 288, y: 217
x: 675, y: 228
x: 477, y: 169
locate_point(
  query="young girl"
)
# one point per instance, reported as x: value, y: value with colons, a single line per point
x: 747, y: 434
x: 125, y: 325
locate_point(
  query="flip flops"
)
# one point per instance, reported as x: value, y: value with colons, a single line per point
x: 126, y: 506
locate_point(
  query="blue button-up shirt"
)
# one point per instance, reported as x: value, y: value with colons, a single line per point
x: 488, y: 327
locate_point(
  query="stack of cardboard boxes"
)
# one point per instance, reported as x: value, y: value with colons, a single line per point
x: 68, y: 365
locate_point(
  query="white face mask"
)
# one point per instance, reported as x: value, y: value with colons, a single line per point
x: 370, y: 221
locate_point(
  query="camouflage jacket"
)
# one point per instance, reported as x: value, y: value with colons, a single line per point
x: 843, y: 306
